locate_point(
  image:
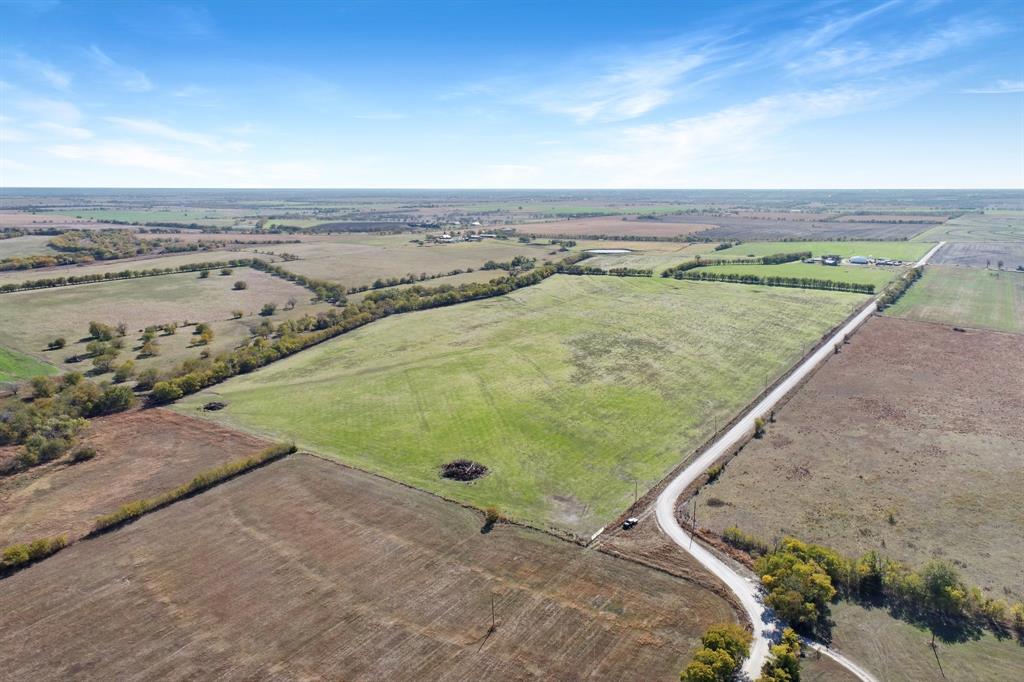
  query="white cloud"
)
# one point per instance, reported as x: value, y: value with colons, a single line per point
x: 73, y: 132
x: 189, y: 91
x: 44, y: 108
x: 381, y: 116
x: 1001, y: 87
x: 674, y: 153
x: 42, y: 70
x: 127, y: 77
x: 161, y: 130
x: 125, y: 154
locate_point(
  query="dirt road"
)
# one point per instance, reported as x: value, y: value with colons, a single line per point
x: 747, y: 589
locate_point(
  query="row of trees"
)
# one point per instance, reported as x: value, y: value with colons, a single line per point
x: 593, y: 270
x: 724, y: 647
x: 778, y: 281
x: 802, y: 578
x: 896, y: 290
x: 296, y: 335
x: 69, y: 280
x: 698, y: 262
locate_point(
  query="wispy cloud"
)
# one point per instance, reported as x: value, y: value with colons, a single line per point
x: 674, y: 153
x: 74, y: 132
x: 125, y: 154
x: 55, y: 110
x: 164, y: 131
x: 1001, y: 87
x: 127, y: 77
x: 41, y: 70
x: 189, y: 91
x: 381, y: 116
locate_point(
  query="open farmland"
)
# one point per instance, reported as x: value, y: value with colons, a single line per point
x: 913, y: 420
x: 856, y: 274
x: 362, y: 259
x: 33, y: 318
x: 906, y: 251
x: 610, y: 226
x: 752, y: 228
x: 973, y: 227
x: 357, y: 578
x: 895, y: 650
x: 656, y: 259
x: 136, y: 263
x: 966, y: 297
x: 569, y: 391
x: 29, y: 245
x: 140, y: 454
x: 16, y: 366
x: 981, y: 254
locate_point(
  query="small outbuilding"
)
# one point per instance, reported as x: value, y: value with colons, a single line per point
x: 858, y: 260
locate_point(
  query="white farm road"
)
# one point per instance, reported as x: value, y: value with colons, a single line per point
x: 747, y: 590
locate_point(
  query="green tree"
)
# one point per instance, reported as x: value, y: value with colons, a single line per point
x: 784, y: 664
x: 124, y: 371
x: 203, y: 274
x: 724, y: 648
x: 240, y: 285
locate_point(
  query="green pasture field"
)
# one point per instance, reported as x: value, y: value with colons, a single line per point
x: 856, y: 274
x: 571, y: 392
x: 16, y: 366
x: 656, y: 256
x: 907, y: 251
x: 34, y: 318
x: 966, y: 297
x: 990, y: 227
x: 29, y: 245
x: 359, y: 261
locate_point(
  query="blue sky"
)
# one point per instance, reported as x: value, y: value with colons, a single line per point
x: 899, y: 93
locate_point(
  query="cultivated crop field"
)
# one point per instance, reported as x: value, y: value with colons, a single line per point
x: 306, y: 569
x: 856, y: 274
x: 33, y: 318
x: 910, y: 419
x: 967, y: 297
x: 981, y: 254
x: 139, y: 454
x: 989, y: 227
x: 906, y: 251
x: 751, y: 228
x: 572, y: 391
x: 612, y: 226
x: 359, y: 261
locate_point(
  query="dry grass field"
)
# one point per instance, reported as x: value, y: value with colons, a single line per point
x: 34, y: 318
x: 967, y: 297
x: 910, y: 419
x: 139, y: 263
x: 361, y: 259
x: 139, y: 454
x: 305, y: 569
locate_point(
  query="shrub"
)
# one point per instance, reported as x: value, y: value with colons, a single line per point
x: 714, y: 472
x: 57, y: 343
x: 240, y: 285
x: 268, y: 309
x: 43, y: 387
x: 740, y: 540
x: 165, y: 392
x: 124, y: 371
x: 204, y: 274
x: 83, y: 454
x: 237, y: 314
x: 146, y: 379
x: 19, y: 556
x: 759, y: 427
x: 224, y: 272
x: 784, y: 664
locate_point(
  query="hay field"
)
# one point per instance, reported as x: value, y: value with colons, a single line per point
x: 569, y: 391
x: 307, y: 570
x: 966, y: 297
x: 910, y: 419
x: 857, y: 274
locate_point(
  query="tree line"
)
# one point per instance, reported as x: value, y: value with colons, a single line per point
x: 895, y: 291
x: 698, y: 262
x: 299, y: 334
x: 70, y: 280
x: 779, y: 281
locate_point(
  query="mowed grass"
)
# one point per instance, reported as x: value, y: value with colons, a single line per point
x: 31, y: 319
x: 570, y: 391
x: 856, y: 274
x: 990, y: 227
x: 16, y: 366
x: 908, y: 251
x: 966, y: 297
